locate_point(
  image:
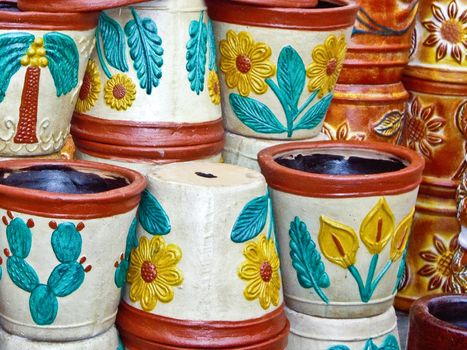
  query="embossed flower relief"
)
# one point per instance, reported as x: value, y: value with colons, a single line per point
x: 342, y: 132
x: 423, y: 128
x: 448, y: 31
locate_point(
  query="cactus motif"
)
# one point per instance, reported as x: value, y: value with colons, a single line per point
x: 65, y: 278
x: 122, y: 266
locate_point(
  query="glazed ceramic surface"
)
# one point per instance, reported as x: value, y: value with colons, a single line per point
x: 377, y: 332
x: 278, y: 67
x: 72, y: 5
x: 218, y: 282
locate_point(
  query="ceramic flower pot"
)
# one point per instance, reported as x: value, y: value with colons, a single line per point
x: 367, y: 112
x: 207, y: 278
x: 42, y: 63
x: 279, y: 65
x: 130, y: 106
x: 68, y: 152
x: 438, y: 323
x: 243, y: 151
x: 317, y: 333
x: 343, y: 215
x: 72, y: 5
x: 66, y: 225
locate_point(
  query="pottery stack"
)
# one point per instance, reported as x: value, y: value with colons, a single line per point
x: 436, y: 79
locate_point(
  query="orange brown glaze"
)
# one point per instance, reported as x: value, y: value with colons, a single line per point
x: 26, y: 131
x: 72, y: 5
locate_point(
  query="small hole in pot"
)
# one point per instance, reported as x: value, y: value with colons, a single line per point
x: 451, y: 311
x: 206, y: 175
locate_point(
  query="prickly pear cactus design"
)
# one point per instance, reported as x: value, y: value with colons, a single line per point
x: 66, y: 277
x: 122, y: 266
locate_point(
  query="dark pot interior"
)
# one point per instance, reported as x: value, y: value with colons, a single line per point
x: 10, y: 6
x: 453, y: 312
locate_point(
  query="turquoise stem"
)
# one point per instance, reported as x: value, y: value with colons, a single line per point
x: 285, y: 106
x: 379, y: 277
x: 306, y: 104
x: 371, y: 274
x: 271, y: 218
x: 356, y: 275
x: 100, y: 56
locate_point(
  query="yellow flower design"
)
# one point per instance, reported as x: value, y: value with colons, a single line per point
x: 153, y: 272
x: 328, y: 60
x: 90, y: 89
x: 377, y: 227
x: 245, y: 63
x: 261, y: 271
x: 214, y: 88
x: 120, y: 92
x: 401, y: 236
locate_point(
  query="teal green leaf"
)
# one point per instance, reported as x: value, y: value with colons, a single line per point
x: 315, y: 114
x: 66, y: 278
x: 196, y: 54
x: 13, y: 46
x: 22, y: 274
x: 145, y: 50
x: 306, y: 259
x: 66, y: 242
x: 120, y: 345
x: 132, y: 239
x: 256, y: 115
x: 152, y: 216
x: 339, y: 347
x: 369, y: 345
x: 401, y: 271
x: 212, y: 47
x: 113, y: 39
x: 63, y: 56
x: 120, y: 273
x: 390, y: 343
x: 251, y: 220
x: 19, y: 237
x: 43, y: 305
x: 291, y: 76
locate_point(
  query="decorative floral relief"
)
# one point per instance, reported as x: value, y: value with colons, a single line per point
x: 214, y: 88
x: 413, y: 43
x: 389, y: 343
x: 390, y: 124
x: 342, y: 132
x: 119, y: 92
x: 461, y: 122
x: 448, y: 31
x: 91, y: 88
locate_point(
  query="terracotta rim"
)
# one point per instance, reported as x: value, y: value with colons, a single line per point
x: 340, y: 186
x: 134, y: 323
x: 437, y: 74
x: 73, y: 5
x: 387, y: 93
x: 318, y: 19
x: 280, y: 3
x: 435, y: 87
x: 72, y: 206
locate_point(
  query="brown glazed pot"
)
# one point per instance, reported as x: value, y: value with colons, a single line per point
x: 438, y: 323
x: 72, y: 5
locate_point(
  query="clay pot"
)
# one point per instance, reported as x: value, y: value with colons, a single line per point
x: 130, y: 106
x: 317, y: 333
x: 438, y: 323
x: 209, y: 261
x: 66, y: 228
x: 279, y: 64
x: 343, y: 215
x: 72, y: 5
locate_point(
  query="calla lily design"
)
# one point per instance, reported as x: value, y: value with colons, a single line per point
x: 377, y: 228
x: 401, y: 236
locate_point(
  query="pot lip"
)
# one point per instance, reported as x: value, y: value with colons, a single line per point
x: 94, y: 205
x: 280, y: 3
x: 331, y: 186
x: 73, y: 5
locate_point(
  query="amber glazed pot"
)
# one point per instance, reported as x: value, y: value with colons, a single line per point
x: 343, y: 214
x: 66, y: 229
x: 438, y: 323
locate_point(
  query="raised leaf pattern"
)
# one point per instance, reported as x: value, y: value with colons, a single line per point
x: 196, y: 54
x: 315, y: 114
x: 251, y: 220
x: 152, y: 216
x: 113, y: 38
x: 390, y: 124
x: 291, y: 76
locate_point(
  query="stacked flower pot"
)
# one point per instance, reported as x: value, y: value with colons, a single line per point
x: 436, y: 79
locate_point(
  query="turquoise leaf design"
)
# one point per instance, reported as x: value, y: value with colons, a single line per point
x: 212, y: 47
x: 152, y: 216
x: 339, y: 347
x: 390, y: 343
x: 145, y: 50
x: 43, y: 305
x: 66, y: 242
x: 256, y: 115
x: 120, y: 345
x: 401, y: 271
x: 66, y: 278
x: 113, y: 39
x: 196, y: 54
x: 131, y: 242
x: 22, y: 274
x: 19, y: 237
x: 291, y: 76
x: 306, y: 259
x: 63, y: 56
x: 315, y: 114
x: 13, y: 47
x: 132, y: 239
x: 369, y: 345
x: 251, y: 220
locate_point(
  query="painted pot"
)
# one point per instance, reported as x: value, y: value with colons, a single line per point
x: 278, y: 66
x: 131, y: 107
x: 317, y: 333
x: 438, y: 323
x: 343, y: 215
x: 72, y: 5
x: 66, y: 225
x: 42, y: 63
x: 367, y: 112
x: 243, y: 151
x: 218, y: 284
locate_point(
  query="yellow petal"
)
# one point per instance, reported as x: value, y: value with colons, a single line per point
x: 265, y: 296
x: 257, y: 84
x: 137, y: 289
x: 401, y: 236
x: 164, y: 293
x: 232, y: 78
x: 249, y: 271
x: 243, y: 85
x: 377, y: 227
x: 172, y: 276
x: 253, y: 289
x: 148, y: 300
x: 171, y: 256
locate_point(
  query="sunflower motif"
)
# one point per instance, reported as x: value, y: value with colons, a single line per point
x: 120, y: 92
x: 261, y: 271
x: 328, y: 60
x: 90, y: 89
x: 448, y: 31
x: 245, y: 63
x: 153, y: 272
x: 438, y: 266
x: 214, y: 88
x: 422, y: 128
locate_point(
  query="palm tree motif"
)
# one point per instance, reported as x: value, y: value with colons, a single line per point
x: 55, y: 51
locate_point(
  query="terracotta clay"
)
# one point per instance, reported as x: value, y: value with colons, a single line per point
x: 72, y: 5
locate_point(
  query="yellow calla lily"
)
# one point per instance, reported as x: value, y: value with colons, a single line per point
x: 377, y: 227
x: 401, y: 236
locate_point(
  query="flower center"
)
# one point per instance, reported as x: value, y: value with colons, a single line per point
x: 331, y: 66
x: 416, y: 129
x: 243, y: 63
x: 266, y: 271
x: 86, y: 87
x: 216, y: 88
x: 452, y: 31
x: 119, y: 91
x: 148, y: 272
x: 444, y: 264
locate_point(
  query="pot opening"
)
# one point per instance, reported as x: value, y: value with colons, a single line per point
x: 61, y: 179
x: 336, y: 161
x: 329, y: 4
x: 9, y: 6
x: 453, y: 312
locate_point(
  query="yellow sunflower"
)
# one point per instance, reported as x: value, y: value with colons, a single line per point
x: 90, y: 89
x: 245, y: 63
x: 120, y: 92
x: 153, y: 272
x: 214, y: 88
x: 328, y: 59
x: 261, y: 271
